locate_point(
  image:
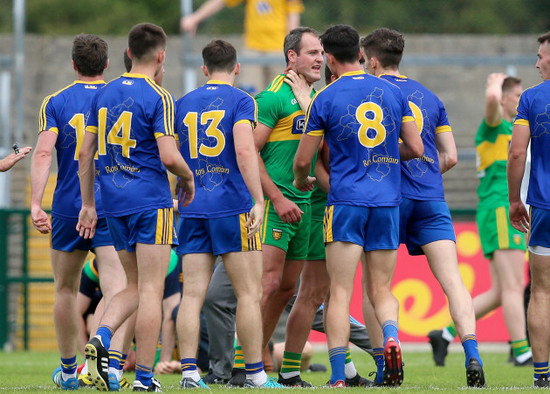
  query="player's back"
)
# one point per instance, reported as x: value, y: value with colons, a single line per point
x: 129, y: 114
x: 65, y: 113
x: 205, y: 119
x: 421, y: 177
x: 534, y: 111
x: 361, y: 116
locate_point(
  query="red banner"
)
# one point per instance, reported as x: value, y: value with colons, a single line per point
x: 423, y: 305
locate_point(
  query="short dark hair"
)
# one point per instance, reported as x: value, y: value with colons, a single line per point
x: 144, y: 39
x: 386, y: 45
x: 219, y: 55
x: 342, y: 42
x: 127, y: 61
x: 293, y: 40
x: 90, y: 54
x: 544, y: 38
x: 509, y: 83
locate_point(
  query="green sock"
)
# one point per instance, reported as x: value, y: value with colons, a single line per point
x: 291, y: 363
x: 452, y: 330
x: 520, y: 347
x: 239, y: 358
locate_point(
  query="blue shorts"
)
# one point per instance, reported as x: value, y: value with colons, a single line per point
x: 422, y: 222
x: 173, y: 283
x: 66, y: 238
x: 374, y: 228
x: 216, y: 235
x: 540, y: 227
x: 153, y: 227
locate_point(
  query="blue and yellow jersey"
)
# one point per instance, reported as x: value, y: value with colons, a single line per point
x: 205, y: 119
x: 534, y: 112
x: 128, y: 115
x: 279, y: 110
x: 421, y: 178
x: 65, y: 113
x: 360, y: 117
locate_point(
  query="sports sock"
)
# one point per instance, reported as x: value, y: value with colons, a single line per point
x: 449, y: 333
x: 541, y: 369
x: 291, y: 364
x: 84, y: 370
x: 68, y: 366
x: 469, y: 343
x: 239, y: 357
x: 189, y: 369
x: 349, y: 367
x: 255, y: 372
x: 105, y: 333
x: 337, y: 356
x: 144, y: 374
x: 378, y: 354
x: 115, y: 363
x: 521, y: 350
x: 389, y: 328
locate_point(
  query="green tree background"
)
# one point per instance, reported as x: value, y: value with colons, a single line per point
x: 115, y: 17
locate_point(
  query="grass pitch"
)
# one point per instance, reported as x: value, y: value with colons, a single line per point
x: 22, y: 372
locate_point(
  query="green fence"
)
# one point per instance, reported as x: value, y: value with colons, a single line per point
x: 15, y: 279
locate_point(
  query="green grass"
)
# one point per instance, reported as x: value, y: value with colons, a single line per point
x: 22, y: 372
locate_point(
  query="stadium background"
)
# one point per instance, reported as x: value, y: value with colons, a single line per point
x: 438, y: 53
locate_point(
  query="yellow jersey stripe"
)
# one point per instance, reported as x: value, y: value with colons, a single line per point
x: 406, y: 119
x: 158, y: 232
x: 266, y: 214
x: 327, y: 225
x: 91, y: 129
x: 443, y: 129
x: 502, y: 228
x: 168, y: 105
x: 522, y: 122
x: 277, y: 83
x: 316, y: 133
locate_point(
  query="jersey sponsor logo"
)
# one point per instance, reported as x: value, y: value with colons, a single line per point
x: 90, y: 87
x: 517, y: 238
x: 263, y: 7
x: 293, y: 101
x: 276, y: 234
x: 299, y: 124
x: 128, y: 82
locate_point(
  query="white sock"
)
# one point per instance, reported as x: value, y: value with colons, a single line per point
x: 350, y: 370
x: 116, y: 372
x: 447, y: 335
x: 194, y: 374
x: 259, y: 378
x: 67, y: 376
x: 525, y: 356
x: 84, y: 370
x: 288, y: 375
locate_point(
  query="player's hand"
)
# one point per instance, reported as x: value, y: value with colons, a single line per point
x: 298, y: 83
x: 40, y: 220
x: 185, y: 190
x: 495, y: 79
x: 255, y: 220
x: 519, y: 218
x: 87, y: 220
x: 287, y: 210
x: 10, y: 160
x: 188, y: 24
x: 167, y: 367
x: 306, y: 185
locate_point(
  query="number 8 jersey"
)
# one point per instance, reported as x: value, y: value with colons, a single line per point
x: 128, y: 115
x: 360, y: 117
x: 204, y: 122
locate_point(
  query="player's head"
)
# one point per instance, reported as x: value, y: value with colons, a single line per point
x: 147, y: 44
x: 89, y: 54
x: 219, y: 56
x: 127, y: 61
x: 511, y: 92
x: 382, y: 49
x: 304, y: 53
x: 329, y: 76
x: 341, y: 44
x: 543, y: 55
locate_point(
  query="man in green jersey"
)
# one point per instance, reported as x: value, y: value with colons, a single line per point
x: 286, y: 228
x: 503, y: 245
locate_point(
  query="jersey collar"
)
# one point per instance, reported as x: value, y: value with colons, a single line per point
x: 97, y: 82
x: 217, y: 82
x: 397, y: 76
x: 352, y: 73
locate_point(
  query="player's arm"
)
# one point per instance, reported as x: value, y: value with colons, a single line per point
x: 412, y: 146
x: 41, y: 163
x: 247, y: 160
x: 519, y: 218
x: 446, y: 149
x: 293, y: 18
x: 175, y: 163
x: 302, y: 161
x: 189, y: 23
x: 87, y: 218
x: 493, y: 96
x: 322, y: 175
x: 286, y: 209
